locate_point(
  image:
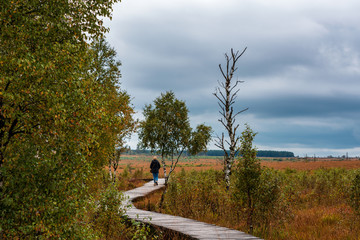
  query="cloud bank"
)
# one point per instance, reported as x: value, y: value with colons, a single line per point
x: 301, y: 71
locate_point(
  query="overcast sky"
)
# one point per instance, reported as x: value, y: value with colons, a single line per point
x: 301, y: 70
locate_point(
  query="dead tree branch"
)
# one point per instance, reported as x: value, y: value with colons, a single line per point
x: 226, y: 93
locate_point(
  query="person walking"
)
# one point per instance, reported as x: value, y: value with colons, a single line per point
x: 155, y: 166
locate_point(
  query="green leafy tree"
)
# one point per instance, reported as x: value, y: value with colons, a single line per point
x: 106, y: 70
x: 55, y: 115
x: 249, y: 172
x: 44, y: 47
x: 256, y: 189
x: 166, y: 130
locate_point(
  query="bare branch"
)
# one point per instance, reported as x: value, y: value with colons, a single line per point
x: 236, y: 127
x: 234, y: 94
x: 241, y: 112
x: 223, y: 97
x: 226, y: 94
x: 222, y: 101
x: 176, y: 162
x: 222, y: 72
x: 224, y: 124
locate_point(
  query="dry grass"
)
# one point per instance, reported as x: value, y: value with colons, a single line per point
x: 136, y: 162
x: 150, y: 202
x: 312, y: 165
x: 315, y: 213
x: 322, y: 222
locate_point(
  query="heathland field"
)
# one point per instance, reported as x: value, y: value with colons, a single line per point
x: 297, y: 198
x: 199, y: 163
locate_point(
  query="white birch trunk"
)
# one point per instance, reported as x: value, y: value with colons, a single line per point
x: 164, y: 167
x: 114, y: 176
x: 110, y: 174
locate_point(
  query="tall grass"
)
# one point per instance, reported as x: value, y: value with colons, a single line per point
x: 310, y: 204
x: 107, y: 217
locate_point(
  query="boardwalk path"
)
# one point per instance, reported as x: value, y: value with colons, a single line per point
x: 189, y: 227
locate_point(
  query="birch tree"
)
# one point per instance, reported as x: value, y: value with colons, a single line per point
x: 106, y: 70
x: 226, y: 94
x: 166, y: 131
x: 114, y: 163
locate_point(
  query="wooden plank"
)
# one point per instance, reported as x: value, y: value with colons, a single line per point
x: 189, y: 227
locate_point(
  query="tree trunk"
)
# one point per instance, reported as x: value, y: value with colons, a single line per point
x: 114, y: 176
x: 110, y: 173
x: 1, y: 176
x: 164, y: 168
x: 226, y: 95
x: 115, y: 167
x: 227, y: 172
x: 162, y: 198
x: 250, y: 212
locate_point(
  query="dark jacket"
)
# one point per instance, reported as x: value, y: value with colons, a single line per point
x: 154, y: 166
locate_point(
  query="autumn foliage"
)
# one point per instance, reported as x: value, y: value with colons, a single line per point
x: 60, y: 118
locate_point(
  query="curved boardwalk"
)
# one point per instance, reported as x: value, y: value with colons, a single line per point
x: 189, y: 227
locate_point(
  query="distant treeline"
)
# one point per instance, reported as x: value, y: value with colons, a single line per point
x: 269, y: 153
x: 260, y: 153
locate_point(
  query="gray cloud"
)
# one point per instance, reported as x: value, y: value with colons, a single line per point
x: 301, y: 69
x: 306, y: 106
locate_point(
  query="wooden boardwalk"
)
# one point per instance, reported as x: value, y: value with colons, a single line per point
x: 188, y: 227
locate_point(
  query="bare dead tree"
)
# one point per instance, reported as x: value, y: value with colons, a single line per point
x: 226, y: 94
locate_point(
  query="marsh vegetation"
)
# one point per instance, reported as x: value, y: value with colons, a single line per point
x: 308, y: 204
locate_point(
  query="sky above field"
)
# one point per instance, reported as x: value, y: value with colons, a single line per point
x: 301, y: 70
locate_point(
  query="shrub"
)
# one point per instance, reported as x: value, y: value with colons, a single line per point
x: 355, y: 193
x: 196, y: 195
x: 45, y: 198
x: 256, y: 191
x: 109, y: 216
x: 263, y: 201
